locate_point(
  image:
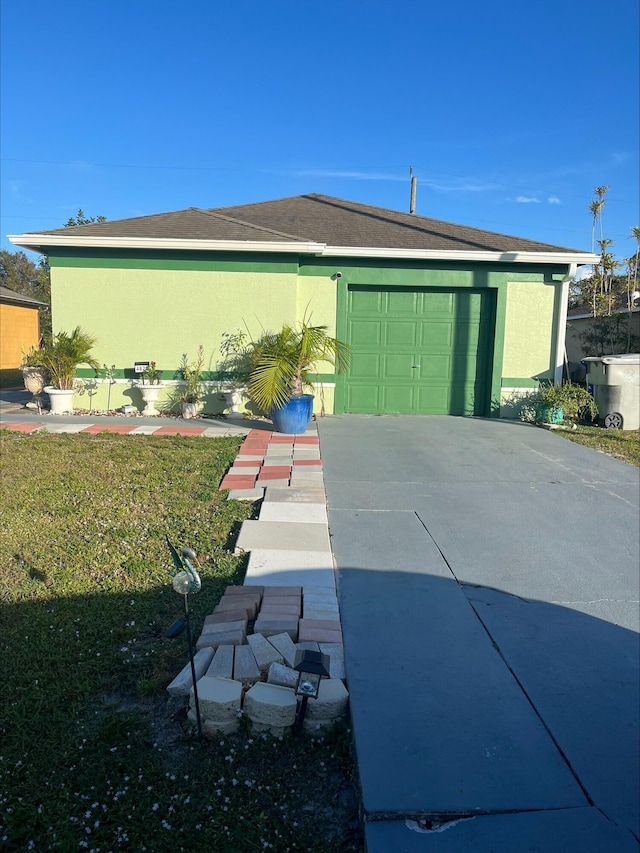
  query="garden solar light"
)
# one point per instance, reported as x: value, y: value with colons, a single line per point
x: 311, y: 667
x: 186, y: 580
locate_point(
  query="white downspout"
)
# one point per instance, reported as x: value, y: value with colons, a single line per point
x: 561, y: 339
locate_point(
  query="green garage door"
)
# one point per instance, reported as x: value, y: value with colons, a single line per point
x: 419, y: 351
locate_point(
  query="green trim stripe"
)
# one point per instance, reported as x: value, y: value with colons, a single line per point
x: 519, y: 382
x: 181, y: 261
x: 167, y: 375
x: 174, y: 375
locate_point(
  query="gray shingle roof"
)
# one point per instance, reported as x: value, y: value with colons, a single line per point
x: 311, y: 217
x: 13, y: 298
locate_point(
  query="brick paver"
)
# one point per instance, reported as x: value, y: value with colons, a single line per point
x: 125, y: 429
x: 22, y: 427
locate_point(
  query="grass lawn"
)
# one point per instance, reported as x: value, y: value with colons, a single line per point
x: 90, y: 757
x: 623, y: 444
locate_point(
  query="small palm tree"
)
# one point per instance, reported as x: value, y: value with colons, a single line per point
x: 62, y: 355
x: 281, y: 362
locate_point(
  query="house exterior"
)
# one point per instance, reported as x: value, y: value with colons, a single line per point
x: 19, y: 327
x: 441, y: 318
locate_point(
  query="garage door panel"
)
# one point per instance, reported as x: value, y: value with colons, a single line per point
x: 366, y: 301
x: 364, y: 398
x: 468, y: 306
x: 462, y: 399
x: 400, y: 333
x: 438, y: 304
x: 416, y: 350
x: 435, y: 366
x: 463, y: 363
x: 365, y: 365
x: 398, y: 399
x: 435, y: 335
x: 399, y: 366
x: 433, y: 400
x: 466, y: 332
x: 402, y: 302
x: 365, y: 332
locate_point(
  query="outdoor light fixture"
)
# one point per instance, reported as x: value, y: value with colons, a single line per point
x: 186, y: 580
x: 311, y: 667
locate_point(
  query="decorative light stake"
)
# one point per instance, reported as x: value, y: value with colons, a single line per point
x: 311, y: 667
x: 185, y: 581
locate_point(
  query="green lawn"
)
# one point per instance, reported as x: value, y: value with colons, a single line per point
x: 90, y: 758
x: 623, y: 444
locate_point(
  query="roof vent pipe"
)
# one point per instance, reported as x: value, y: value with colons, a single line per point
x: 412, y: 201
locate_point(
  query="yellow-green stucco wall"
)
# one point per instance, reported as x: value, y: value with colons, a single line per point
x: 144, y: 315
x: 529, y: 348
x: 160, y: 314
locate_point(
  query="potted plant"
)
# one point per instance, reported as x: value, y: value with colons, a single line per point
x: 548, y: 404
x: 191, y: 391
x: 34, y: 375
x: 577, y: 403
x: 567, y: 401
x: 234, y: 368
x: 150, y: 389
x: 61, y: 356
x: 281, y: 364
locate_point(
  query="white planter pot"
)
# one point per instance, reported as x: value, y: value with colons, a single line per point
x: 34, y: 381
x: 61, y: 400
x: 190, y: 410
x: 233, y: 398
x: 150, y: 394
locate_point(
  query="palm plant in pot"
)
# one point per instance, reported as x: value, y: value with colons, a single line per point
x: 61, y: 356
x: 281, y: 364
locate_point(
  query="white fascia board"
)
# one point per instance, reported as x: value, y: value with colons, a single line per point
x: 463, y: 255
x: 35, y: 241
x: 31, y: 241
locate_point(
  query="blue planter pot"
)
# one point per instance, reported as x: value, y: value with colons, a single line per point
x: 294, y: 417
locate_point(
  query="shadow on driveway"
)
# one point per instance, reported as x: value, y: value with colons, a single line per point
x: 488, y: 585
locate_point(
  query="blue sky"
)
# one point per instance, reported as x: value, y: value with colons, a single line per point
x: 509, y: 111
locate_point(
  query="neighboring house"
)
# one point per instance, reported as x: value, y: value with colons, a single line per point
x: 19, y: 327
x: 584, y: 340
x: 442, y: 318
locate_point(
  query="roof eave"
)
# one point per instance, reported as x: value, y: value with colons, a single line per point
x: 23, y: 303
x: 514, y: 257
x: 40, y: 242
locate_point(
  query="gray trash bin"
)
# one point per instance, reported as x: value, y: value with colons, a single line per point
x: 614, y: 381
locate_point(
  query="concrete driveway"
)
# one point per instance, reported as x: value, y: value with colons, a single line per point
x: 488, y: 584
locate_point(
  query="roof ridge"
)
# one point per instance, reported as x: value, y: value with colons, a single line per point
x: 356, y: 205
x: 213, y: 212
x: 256, y: 203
